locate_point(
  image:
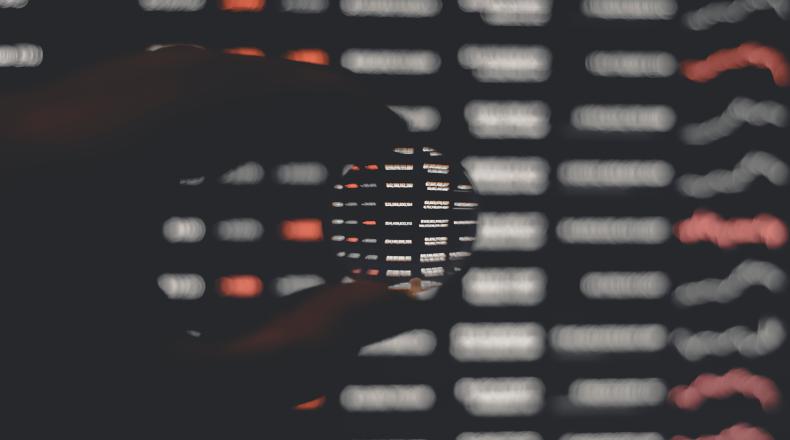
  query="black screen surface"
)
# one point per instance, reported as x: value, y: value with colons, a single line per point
x: 629, y: 275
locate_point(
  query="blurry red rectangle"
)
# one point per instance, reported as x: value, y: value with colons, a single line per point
x: 242, y: 5
x: 248, y: 51
x: 240, y: 286
x: 302, y: 229
x: 312, y: 56
x: 311, y: 404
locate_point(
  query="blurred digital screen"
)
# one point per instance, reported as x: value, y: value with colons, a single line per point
x: 629, y: 277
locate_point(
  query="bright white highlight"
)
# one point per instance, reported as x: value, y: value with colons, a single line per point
x: 21, y: 55
x: 504, y: 286
x: 503, y: 231
x: 500, y: 396
x: 391, y: 62
x: 630, y: 9
x: 504, y: 63
x: 629, y: 64
x: 184, y: 229
x: 614, y: 230
x: 508, y: 119
x: 608, y: 338
x: 624, y: 285
x: 623, y: 118
x: 510, y: 12
x: 387, y: 398
x: 391, y: 8
x: 620, y: 393
x: 616, y: 173
x: 496, y: 342
x: 507, y: 175
x: 182, y: 286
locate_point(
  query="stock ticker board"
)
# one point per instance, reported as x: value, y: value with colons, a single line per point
x: 630, y: 159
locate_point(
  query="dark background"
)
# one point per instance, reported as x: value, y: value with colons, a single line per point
x: 76, y: 34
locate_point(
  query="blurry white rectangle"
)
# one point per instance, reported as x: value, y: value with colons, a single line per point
x: 506, y: 63
x: 504, y: 286
x: 289, y: 284
x: 510, y: 231
x: 436, y: 168
x: 391, y: 8
x: 15, y: 4
x: 301, y: 173
x: 435, y: 204
x: 624, y: 285
x: 248, y: 173
x: 614, y: 230
x: 497, y: 342
x: 419, y: 119
x: 192, y: 181
x: 239, y: 230
x: 387, y: 398
x: 172, y: 5
x: 420, y: 342
x: 434, y: 223
x: 432, y: 271
x: 304, y: 6
x: 433, y: 257
x: 613, y: 436
x: 182, y: 286
x: 631, y: 64
x: 630, y: 9
x: 510, y: 12
x: 510, y: 435
x: 184, y: 229
x: 507, y: 175
x: 616, y: 173
x: 608, y: 338
x: 620, y: 393
x: 508, y: 119
x: 623, y: 118
x: 21, y: 55
x: 391, y: 61
x: 500, y: 396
